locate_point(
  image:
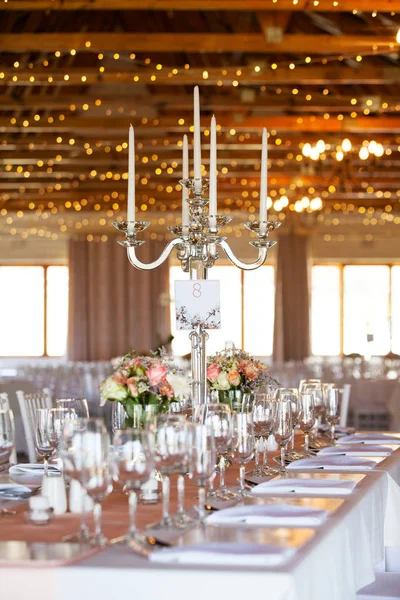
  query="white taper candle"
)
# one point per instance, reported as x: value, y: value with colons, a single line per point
x: 212, y: 206
x: 196, y: 138
x: 264, y: 182
x: 185, y: 191
x: 131, y: 180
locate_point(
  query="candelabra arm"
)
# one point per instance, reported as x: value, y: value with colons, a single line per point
x: 131, y: 250
x: 262, y: 255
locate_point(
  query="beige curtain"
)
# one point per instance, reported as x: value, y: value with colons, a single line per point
x: 112, y: 306
x: 292, y: 299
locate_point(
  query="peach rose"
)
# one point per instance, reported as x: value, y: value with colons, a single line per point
x: 212, y: 372
x: 234, y: 377
x: 166, y: 390
x: 156, y: 373
x: 250, y: 371
x: 119, y: 377
x: 132, y: 386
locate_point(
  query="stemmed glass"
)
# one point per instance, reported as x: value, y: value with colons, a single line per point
x: 306, y: 418
x: 50, y: 424
x: 70, y: 453
x: 202, y: 460
x: 7, y: 436
x: 314, y: 387
x: 292, y: 395
x: 134, y: 461
x: 243, y: 442
x: 331, y: 398
x: 93, y: 464
x: 284, y: 428
x: 264, y: 418
x: 79, y: 405
x: 218, y: 418
x: 171, y: 455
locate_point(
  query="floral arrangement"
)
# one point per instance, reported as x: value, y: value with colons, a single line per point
x: 144, y: 380
x: 237, y: 370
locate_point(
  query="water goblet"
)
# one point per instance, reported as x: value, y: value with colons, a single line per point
x: 331, y: 398
x: 134, y: 461
x: 202, y: 461
x: 79, y: 405
x: 243, y: 442
x: 306, y: 418
x: 284, y: 428
x: 171, y: 455
x: 7, y: 436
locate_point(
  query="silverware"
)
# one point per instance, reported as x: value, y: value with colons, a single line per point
x: 4, y: 512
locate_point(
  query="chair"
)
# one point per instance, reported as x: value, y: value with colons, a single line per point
x: 28, y: 404
x: 5, y: 405
x: 344, y: 407
x: 385, y: 587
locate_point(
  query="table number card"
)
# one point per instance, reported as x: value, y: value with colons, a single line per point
x: 197, y: 302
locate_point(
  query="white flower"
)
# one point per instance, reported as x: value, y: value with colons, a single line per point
x: 222, y: 382
x: 142, y: 387
x: 112, y: 390
x: 179, y: 384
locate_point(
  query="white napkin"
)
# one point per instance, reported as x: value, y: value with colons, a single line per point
x: 357, y: 450
x: 269, y: 515
x: 33, y: 468
x: 11, y: 491
x: 342, y: 463
x: 369, y: 438
x: 312, y: 487
x: 225, y: 554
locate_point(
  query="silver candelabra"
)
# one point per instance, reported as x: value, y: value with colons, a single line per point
x: 197, y: 250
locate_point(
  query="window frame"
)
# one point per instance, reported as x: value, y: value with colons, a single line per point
x: 44, y: 266
x: 341, y: 267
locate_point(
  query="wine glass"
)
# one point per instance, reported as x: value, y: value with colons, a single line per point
x: 292, y: 395
x: 50, y: 424
x: 79, y: 405
x: 331, y: 398
x: 243, y: 442
x: 306, y: 418
x: 315, y: 388
x: 264, y: 417
x: 7, y: 436
x: 284, y: 428
x: 171, y: 455
x: 218, y: 418
x: 70, y: 455
x: 92, y: 462
x: 134, y: 461
x: 202, y: 460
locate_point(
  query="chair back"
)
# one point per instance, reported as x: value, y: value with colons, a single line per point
x: 5, y: 405
x: 28, y: 404
x: 344, y: 407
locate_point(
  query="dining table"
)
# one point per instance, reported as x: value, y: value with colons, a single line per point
x: 332, y: 560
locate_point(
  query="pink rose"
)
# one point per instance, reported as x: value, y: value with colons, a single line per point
x: 212, y: 372
x: 119, y: 378
x: 250, y: 371
x: 156, y: 373
x: 167, y: 390
x: 234, y: 377
x: 132, y: 386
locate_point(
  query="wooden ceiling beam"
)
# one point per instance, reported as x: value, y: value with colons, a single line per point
x: 94, y: 125
x: 202, y: 5
x: 306, y: 75
x: 212, y: 43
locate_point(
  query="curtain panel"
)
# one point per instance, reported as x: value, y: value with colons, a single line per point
x: 292, y: 299
x: 112, y: 306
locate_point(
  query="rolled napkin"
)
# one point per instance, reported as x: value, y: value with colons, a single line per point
x: 13, y: 491
x: 370, y: 438
x: 311, y: 487
x: 225, y: 554
x: 269, y: 515
x: 356, y: 450
x: 341, y: 463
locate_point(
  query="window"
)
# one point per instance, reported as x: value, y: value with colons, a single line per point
x: 34, y: 310
x: 353, y: 309
x: 247, y: 310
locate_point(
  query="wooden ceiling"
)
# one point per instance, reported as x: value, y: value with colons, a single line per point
x: 74, y: 74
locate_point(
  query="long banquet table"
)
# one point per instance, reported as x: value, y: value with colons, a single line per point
x: 332, y: 561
